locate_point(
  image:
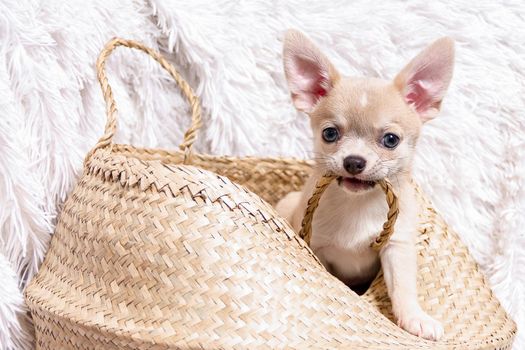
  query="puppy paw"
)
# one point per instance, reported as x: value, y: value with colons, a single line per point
x: 422, y: 325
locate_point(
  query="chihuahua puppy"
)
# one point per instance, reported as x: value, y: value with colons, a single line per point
x: 366, y: 130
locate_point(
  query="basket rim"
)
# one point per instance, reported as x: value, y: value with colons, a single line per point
x: 128, y: 150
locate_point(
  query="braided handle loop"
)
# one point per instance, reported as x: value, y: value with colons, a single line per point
x: 388, y: 226
x: 111, y: 109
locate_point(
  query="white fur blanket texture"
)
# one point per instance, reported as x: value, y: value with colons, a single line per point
x: 471, y: 159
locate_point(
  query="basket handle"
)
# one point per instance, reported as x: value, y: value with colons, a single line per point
x: 111, y: 109
x: 388, y: 226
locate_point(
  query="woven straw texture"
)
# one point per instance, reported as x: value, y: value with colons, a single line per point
x: 151, y: 252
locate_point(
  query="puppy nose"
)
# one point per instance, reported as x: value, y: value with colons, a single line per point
x: 354, y: 164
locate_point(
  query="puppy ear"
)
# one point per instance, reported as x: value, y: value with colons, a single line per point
x: 424, y: 81
x: 309, y: 73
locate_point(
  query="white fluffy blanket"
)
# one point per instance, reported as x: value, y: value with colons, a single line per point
x: 471, y: 160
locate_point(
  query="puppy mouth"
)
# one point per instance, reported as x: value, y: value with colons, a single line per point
x: 354, y: 184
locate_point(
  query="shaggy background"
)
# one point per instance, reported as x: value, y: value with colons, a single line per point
x: 471, y: 160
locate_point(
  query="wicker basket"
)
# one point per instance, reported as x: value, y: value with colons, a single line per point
x: 152, y: 253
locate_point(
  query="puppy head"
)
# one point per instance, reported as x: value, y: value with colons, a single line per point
x: 366, y: 129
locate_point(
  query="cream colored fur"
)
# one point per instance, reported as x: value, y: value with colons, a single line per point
x: 349, y: 218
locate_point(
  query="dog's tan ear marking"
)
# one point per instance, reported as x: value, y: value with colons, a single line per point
x: 424, y: 81
x: 309, y: 73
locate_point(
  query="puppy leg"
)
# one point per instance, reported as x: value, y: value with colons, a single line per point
x: 287, y: 207
x: 398, y: 260
x: 320, y: 253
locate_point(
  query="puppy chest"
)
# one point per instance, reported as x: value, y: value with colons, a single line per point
x: 348, y: 225
x: 351, y: 266
x: 342, y: 231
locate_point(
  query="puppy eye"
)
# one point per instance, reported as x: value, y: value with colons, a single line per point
x: 330, y: 134
x: 390, y: 140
